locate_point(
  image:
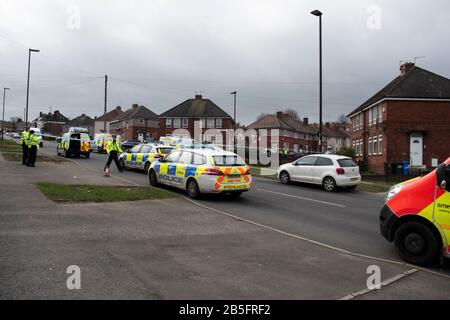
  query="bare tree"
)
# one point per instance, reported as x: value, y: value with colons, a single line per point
x: 292, y: 114
x: 342, y: 119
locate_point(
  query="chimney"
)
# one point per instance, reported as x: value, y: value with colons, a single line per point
x: 406, y: 67
x: 327, y: 124
x: 198, y: 97
x: 40, y: 114
x: 280, y: 114
x: 305, y: 121
x: 135, y: 106
x: 83, y: 115
x: 119, y: 108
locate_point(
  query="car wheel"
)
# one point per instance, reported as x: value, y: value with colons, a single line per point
x: 147, y: 166
x: 66, y: 154
x: 417, y: 244
x: 192, y: 189
x: 329, y: 184
x: 285, y: 178
x: 122, y: 164
x: 152, y: 178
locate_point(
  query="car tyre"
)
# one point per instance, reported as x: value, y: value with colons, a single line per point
x: 192, y: 189
x: 417, y: 244
x: 122, y: 164
x: 329, y: 184
x: 66, y: 154
x: 285, y: 178
x: 153, y: 180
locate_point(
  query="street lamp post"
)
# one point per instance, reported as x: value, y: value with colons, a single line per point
x: 28, y: 84
x: 319, y: 14
x: 234, y: 93
x: 3, y: 113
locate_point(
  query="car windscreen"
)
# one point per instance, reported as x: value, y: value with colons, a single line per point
x: 228, y: 160
x: 347, y: 163
x: 164, y: 150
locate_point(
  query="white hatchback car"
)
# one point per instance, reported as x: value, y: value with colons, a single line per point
x: 330, y: 171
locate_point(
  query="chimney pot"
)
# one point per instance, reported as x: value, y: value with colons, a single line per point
x: 135, y: 105
x: 198, y: 97
x: 279, y: 114
x: 119, y: 108
x: 305, y: 121
x: 406, y: 67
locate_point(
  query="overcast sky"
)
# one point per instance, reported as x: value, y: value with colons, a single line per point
x: 160, y: 52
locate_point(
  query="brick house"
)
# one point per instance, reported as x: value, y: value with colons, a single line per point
x: 51, y: 123
x: 106, y: 119
x: 83, y: 121
x: 335, y: 136
x: 408, y: 120
x: 204, y: 112
x: 137, y: 123
x: 295, y: 135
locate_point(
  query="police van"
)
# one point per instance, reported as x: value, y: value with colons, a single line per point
x: 416, y: 217
x: 76, y: 142
x: 141, y: 156
x: 202, y: 171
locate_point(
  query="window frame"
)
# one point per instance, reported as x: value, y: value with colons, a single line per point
x: 219, y: 123
x: 208, y: 121
x: 176, y: 123
x: 370, y: 147
x: 185, y: 123
x: 169, y: 123
x: 380, y: 145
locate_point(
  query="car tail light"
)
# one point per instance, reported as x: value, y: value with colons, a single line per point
x: 340, y: 171
x: 214, y: 172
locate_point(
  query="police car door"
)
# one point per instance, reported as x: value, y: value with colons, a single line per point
x: 180, y: 174
x: 142, y: 156
x: 168, y: 167
x: 131, y: 157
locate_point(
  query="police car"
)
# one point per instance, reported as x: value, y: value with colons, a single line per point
x: 141, y: 156
x: 202, y: 171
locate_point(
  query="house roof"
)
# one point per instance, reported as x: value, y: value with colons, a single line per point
x: 272, y: 121
x: 198, y: 107
x: 137, y: 112
x: 82, y: 120
x: 55, y: 117
x: 417, y: 83
x: 111, y: 115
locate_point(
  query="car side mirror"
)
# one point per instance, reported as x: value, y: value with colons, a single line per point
x: 443, y: 177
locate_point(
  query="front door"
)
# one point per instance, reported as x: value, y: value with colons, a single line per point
x: 416, y: 149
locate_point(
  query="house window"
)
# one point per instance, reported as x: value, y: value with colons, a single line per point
x: 370, y: 146
x: 168, y: 123
x: 210, y: 123
x: 185, y: 122
x: 357, y: 148
x: 219, y: 123
x: 361, y: 147
x: 375, y: 146
x: 380, y: 145
x: 380, y: 114
x: 370, y: 117
x: 177, y: 123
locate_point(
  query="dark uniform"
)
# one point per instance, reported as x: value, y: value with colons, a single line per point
x: 113, y: 149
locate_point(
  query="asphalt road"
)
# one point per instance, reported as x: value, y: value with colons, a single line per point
x: 346, y: 219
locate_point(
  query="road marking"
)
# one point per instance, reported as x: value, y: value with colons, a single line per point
x: 383, y: 284
x: 303, y: 198
x: 317, y: 243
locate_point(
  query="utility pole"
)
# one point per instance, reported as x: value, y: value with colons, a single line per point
x: 3, y: 114
x: 319, y: 14
x: 28, y: 84
x: 106, y: 101
x: 234, y: 93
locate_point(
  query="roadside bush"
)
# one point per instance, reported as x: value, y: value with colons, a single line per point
x: 347, y: 152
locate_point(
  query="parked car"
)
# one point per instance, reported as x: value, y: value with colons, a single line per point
x: 330, y: 171
x: 128, y: 144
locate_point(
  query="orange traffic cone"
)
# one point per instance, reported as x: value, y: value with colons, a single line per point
x: 106, y: 172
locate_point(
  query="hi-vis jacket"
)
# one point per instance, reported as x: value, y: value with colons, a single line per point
x: 24, y: 137
x: 113, y: 146
x: 33, y: 141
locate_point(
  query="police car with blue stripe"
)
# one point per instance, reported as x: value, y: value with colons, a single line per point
x: 141, y: 156
x: 202, y: 171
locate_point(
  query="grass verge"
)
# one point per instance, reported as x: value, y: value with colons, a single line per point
x: 263, y: 173
x: 91, y: 193
x: 373, y: 188
x: 17, y: 157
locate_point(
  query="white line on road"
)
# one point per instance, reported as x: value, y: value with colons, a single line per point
x: 317, y: 243
x: 303, y: 198
x: 383, y: 284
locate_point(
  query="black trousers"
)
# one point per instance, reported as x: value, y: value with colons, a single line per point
x: 25, y: 152
x: 32, y: 153
x: 113, y: 156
